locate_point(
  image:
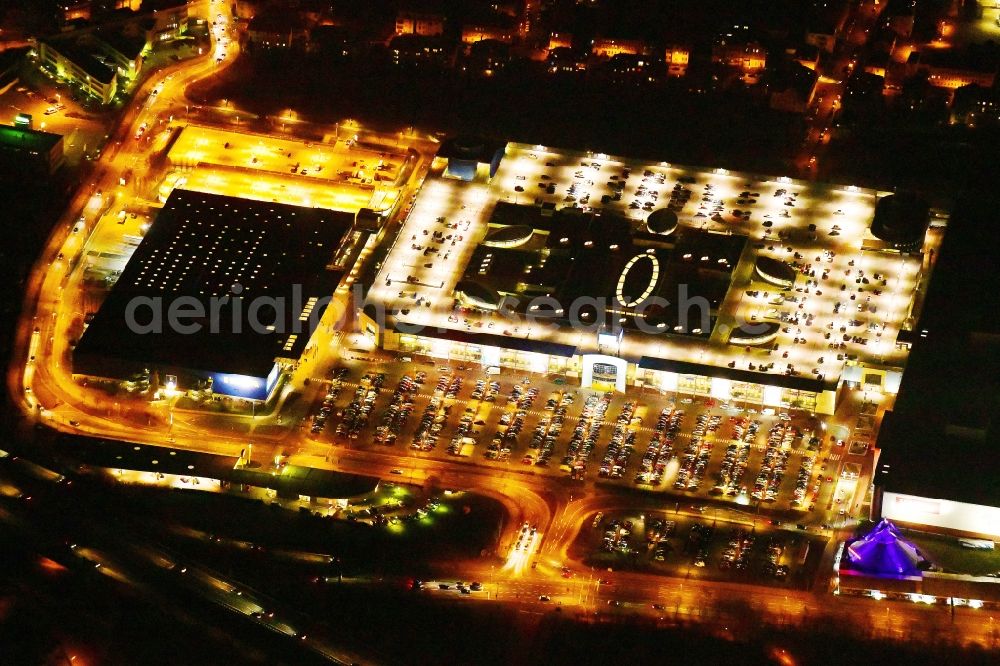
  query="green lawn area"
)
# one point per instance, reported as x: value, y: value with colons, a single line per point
x: 945, y: 552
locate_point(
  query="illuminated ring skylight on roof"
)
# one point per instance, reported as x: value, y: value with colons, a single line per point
x: 653, y: 280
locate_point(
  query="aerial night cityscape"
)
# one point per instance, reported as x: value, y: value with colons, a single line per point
x: 500, y: 331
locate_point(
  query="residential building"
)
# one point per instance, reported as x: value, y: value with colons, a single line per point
x: 632, y: 67
x: 488, y: 56
x: 565, y: 60
x: 531, y: 17
x: 75, y: 11
x: 806, y: 55
x: 677, y: 59
x: 975, y: 105
x: 478, y: 32
x: 168, y: 19
x: 826, y: 23
x: 747, y: 57
x: 560, y: 40
x: 69, y: 60
x: 277, y: 29
x: 863, y: 96
x: 417, y: 23
x: 333, y: 40
x: 607, y: 47
x: 419, y: 50
x: 899, y: 16
x: 125, y: 52
x: 792, y: 88
x: 823, y: 38
x: 950, y: 69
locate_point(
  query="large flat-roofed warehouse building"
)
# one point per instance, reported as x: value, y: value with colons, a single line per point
x: 614, y: 272
x: 938, y: 471
x: 247, y: 282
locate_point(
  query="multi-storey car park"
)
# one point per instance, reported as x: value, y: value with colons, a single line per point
x: 586, y: 266
x: 324, y: 174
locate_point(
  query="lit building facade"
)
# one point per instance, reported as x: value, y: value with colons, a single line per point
x: 71, y: 62
x: 560, y: 40
x: 479, y: 32
x: 606, y: 47
x: 677, y: 58
x: 749, y: 57
x: 412, y: 23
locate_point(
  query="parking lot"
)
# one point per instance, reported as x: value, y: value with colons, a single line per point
x: 53, y: 109
x: 679, y: 444
x: 725, y: 547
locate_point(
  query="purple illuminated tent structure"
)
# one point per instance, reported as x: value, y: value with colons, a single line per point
x: 884, y: 552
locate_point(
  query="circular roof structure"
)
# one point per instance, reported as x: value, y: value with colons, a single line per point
x: 775, y: 271
x: 755, y: 334
x: 478, y: 294
x: 511, y: 236
x: 900, y: 219
x: 469, y: 145
x: 638, y: 280
x: 661, y: 221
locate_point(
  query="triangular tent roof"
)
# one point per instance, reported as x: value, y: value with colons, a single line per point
x: 884, y: 552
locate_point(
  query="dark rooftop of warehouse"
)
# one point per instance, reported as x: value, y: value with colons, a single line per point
x: 570, y: 254
x: 200, y: 246
x: 940, y: 440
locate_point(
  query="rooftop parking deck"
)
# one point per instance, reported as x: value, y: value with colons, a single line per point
x: 340, y: 161
x: 849, y: 300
